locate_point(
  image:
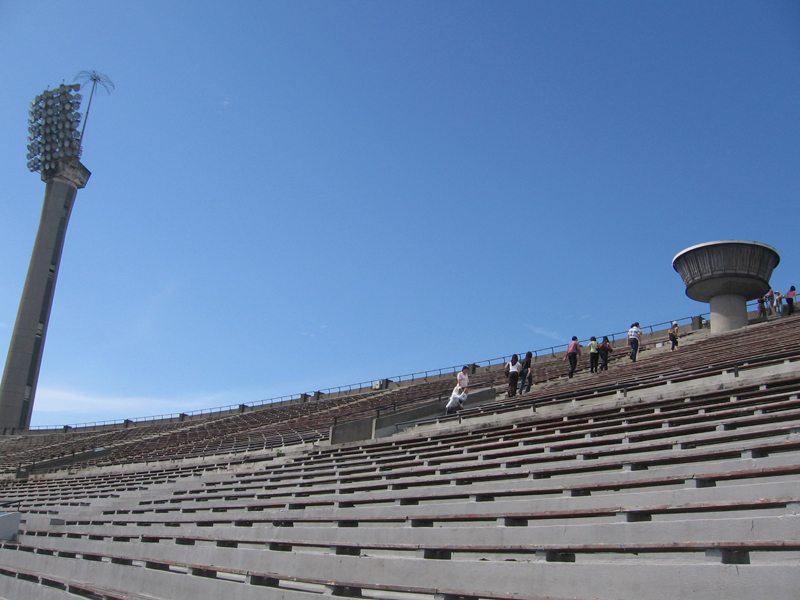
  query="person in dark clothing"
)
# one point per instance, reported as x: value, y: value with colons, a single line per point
x: 573, y: 352
x: 673, y: 334
x: 790, y: 296
x: 604, y: 349
x: 512, y: 372
x: 526, y: 373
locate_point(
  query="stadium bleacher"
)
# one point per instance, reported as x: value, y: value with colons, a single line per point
x: 672, y: 477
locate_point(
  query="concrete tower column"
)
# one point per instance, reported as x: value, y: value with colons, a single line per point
x: 21, y: 373
x: 727, y: 274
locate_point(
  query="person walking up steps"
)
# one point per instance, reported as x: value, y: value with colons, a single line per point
x: 790, y: 296
x: 673, y: 335
x: 526, y: 373
x: 573, y: 352
x: 634, y: 337
x: 605, y: 348
x: 594, y: 355
x: 512, y: 372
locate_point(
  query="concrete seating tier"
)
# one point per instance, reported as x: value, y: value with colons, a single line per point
x: 773, y: 341
x: 265, y: 427
x: 681, y: 486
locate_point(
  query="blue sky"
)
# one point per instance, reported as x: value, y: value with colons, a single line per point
x: 290, y: 196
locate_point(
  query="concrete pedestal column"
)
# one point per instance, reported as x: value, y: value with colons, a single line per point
x: 728, y: 312
x: 727, y: 274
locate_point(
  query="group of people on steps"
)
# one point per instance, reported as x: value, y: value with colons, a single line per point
x: 773, y: 303
x: 520, y: 375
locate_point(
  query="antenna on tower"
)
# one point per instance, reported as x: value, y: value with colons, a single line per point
x: 96, y: 78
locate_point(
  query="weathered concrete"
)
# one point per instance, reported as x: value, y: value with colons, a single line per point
x: 682, y: 487
x: 728, y: 312
x: 9, y: 525
x: 21, y: 374
x: 679, y: 529
x: 727, y: 274
x: 635, y: 578
x: 24, y: 471
x: 662, y: 390
x: 376, y: 427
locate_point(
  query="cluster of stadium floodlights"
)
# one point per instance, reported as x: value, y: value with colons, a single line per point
x: 53, y: 128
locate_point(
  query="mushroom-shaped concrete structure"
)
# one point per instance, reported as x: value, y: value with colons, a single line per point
x: 727, y: 274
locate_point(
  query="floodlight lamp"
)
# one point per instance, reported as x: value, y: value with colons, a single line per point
x: 53, y: 127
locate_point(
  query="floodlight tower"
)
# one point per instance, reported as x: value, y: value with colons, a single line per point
x: 54, y: 149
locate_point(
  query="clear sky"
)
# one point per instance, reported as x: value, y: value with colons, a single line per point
x: 289, y: 196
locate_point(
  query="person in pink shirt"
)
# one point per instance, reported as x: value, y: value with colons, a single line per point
x: 790, y: 296
x: 573, y: 352
x: 463, y: 377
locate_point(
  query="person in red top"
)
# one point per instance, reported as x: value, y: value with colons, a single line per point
x: 573, y: 352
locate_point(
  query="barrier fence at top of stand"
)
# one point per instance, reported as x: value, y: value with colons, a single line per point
x: 366, y: 386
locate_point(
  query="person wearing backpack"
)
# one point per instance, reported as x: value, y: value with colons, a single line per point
x: 604, y: 349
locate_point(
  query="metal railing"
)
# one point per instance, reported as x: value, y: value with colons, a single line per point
x: 733, y: 365
x: 17, y: 502
x: 367, y: 385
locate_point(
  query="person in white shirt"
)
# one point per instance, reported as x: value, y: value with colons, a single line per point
x: 513, y: 369
x: 457, y: 399
x: 634, y: 337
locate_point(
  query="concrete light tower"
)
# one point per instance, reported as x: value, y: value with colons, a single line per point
x: 54, y: 149
x: 727, y: 274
